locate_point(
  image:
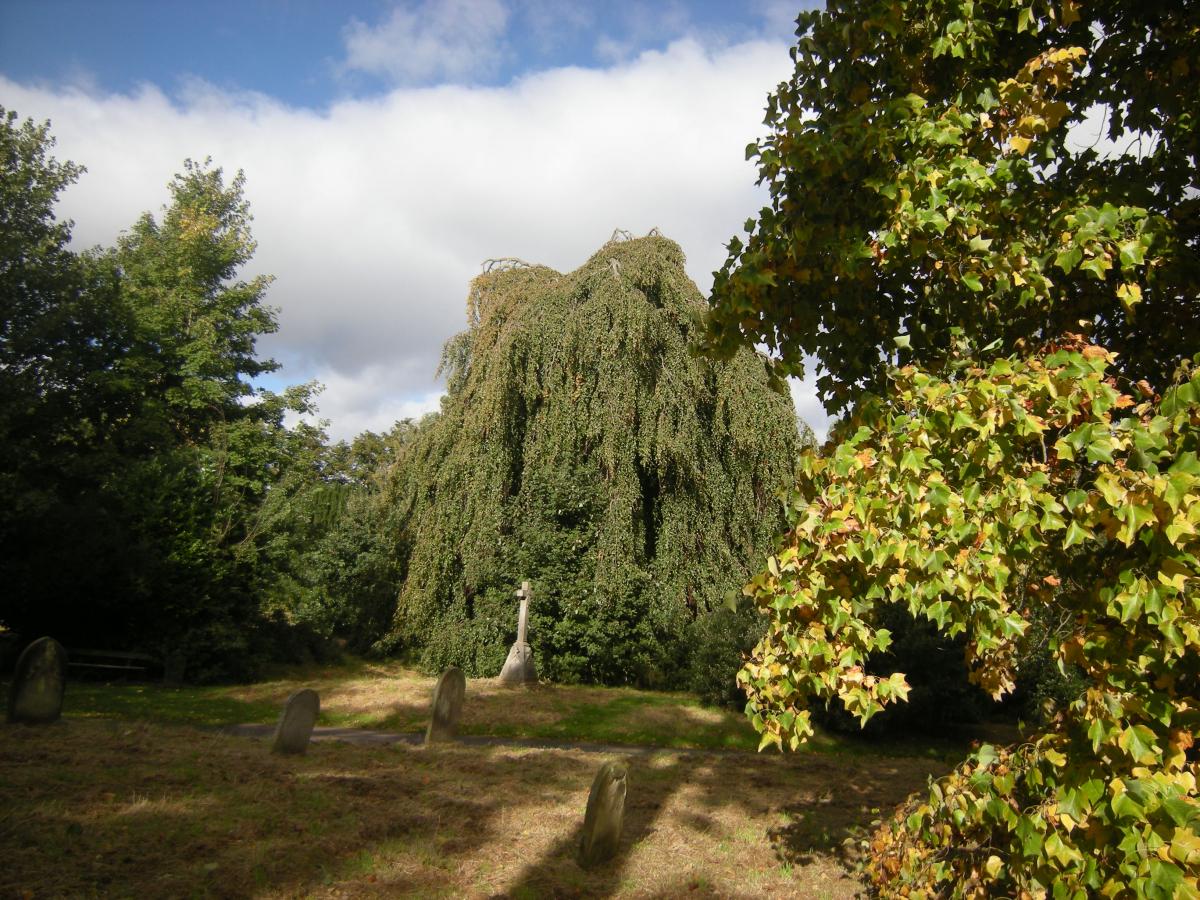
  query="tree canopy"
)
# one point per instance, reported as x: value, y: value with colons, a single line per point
x: 138, y: 454
x: 1003, y: 169
x: 582, y: 447
x: 1007, y: 314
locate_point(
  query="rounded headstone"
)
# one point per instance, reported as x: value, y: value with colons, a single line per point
x: 518, y: 668
x: 35, y: 696
x: 296, y: 722
x: 604, y: 817
x: 448, y: 697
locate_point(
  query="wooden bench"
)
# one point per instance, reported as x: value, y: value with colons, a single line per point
x: 111, y: 661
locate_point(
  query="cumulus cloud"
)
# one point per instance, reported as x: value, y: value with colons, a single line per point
x: 375, y: 213
x: 808, y: 407
x: 438, y: 40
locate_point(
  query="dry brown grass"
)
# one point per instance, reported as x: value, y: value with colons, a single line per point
x: 105, y: 808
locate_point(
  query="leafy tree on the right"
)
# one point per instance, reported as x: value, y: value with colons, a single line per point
x: 984, y: 226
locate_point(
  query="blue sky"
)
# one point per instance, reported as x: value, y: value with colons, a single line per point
x: 301, y: 52
x: 389, y: 148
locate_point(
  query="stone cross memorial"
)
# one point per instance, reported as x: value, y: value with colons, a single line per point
x: 604, y: 817
x: 296, y: 723
x: 35, y: 696
x: 519, y: 668
x: 448, y: 697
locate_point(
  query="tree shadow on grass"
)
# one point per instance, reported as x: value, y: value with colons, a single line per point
x: 558, y: 872
x: 831, y: 819
x: 827, y: 800
x: 100, y: 807
x: 107, y: 807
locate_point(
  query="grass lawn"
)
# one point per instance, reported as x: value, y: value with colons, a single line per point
x: 388, y: 696
x: 125, y: 797
x: 104, y: 807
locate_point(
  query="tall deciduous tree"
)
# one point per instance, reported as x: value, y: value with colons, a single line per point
x: 211, y: 446
x: 198, y: 322
x: 137, y: 454
x: 64, y: 331
x: 931, y: 204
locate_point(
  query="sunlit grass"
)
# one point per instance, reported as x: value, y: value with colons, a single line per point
x: 388, y: 696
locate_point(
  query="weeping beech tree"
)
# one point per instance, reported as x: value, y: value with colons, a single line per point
x: 583, y: 447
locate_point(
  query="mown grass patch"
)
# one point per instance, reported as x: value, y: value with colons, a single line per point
x: 102, y: 807
x: 159, y: 703
x: 388, y: 696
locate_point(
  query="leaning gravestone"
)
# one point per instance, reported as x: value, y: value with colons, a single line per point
x: 448, y: 697
x: 518, y: 668
x: 296, y: 722
x: 35, y: 696
x: 605, y: 816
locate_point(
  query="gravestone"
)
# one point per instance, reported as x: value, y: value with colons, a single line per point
x: 35, y: 696
x: 448, y: 696
x: 519, y: 668
x: 604, y: 817
x: 296, y: 722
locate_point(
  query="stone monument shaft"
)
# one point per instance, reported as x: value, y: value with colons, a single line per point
x: 519, y: 667
x: 523, y: 594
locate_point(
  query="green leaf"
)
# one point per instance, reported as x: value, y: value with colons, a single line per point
x: 1125, y: 806
x: 1068, y: 259
x: 1132, y: 254
x: 971, y: 280
x: 1165, y: 876
x: 1186, y: 464
x: 1029, y: 835
x: 1182, y: 812
x: 911, y: 461
x: 1075, y: 535
x: 1138, y: 742
x: 938, y: 495
x: 1100, y: 451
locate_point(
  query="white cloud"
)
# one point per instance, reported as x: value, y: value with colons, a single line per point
x: 375, y: 214
x: 437, y: 40
x: 808, y: 407
x: 367, y: 403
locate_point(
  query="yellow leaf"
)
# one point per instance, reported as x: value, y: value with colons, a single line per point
x: 1019, y: 144
x: 993, y: 865
x: 1130, y: 294
x: 1070, y: 12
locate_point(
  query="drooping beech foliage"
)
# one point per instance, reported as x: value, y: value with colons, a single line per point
x: 582, y: 447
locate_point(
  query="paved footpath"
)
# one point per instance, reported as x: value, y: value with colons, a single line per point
x: 367, y: 737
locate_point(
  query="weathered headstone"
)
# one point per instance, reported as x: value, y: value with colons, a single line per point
x: 296, y: 722
x: 605, y: 816
x: 35, y: 696
x: 448, y: 696
x: 519, y: 668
